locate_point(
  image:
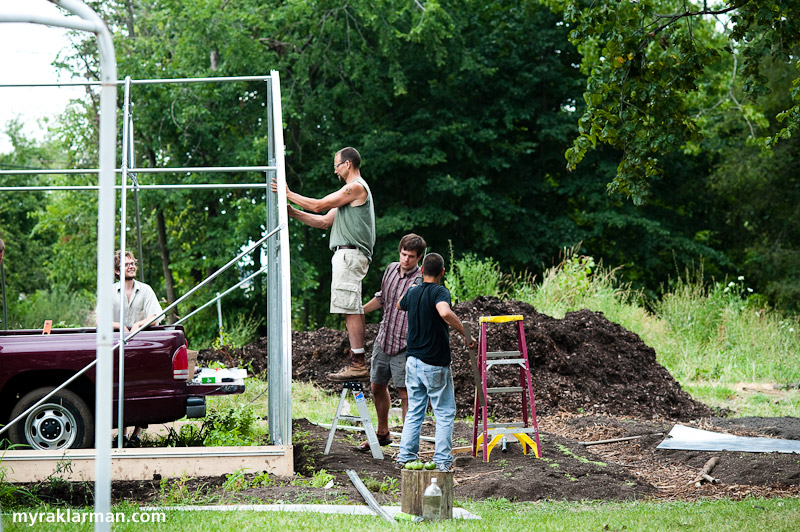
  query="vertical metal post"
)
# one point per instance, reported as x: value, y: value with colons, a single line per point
x: 88, y: 20
x: 219, y: 316
x: 122, y: 268
x: 105, y: 249
x: 135, y: 183
x: 279, y: 307
x: 5, y: 303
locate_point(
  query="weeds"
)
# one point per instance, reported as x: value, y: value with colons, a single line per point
x: 470, y: 277
x: 389, y: 485
x: 177, y: 491
x: 565, y: 450
x: 12, y: 496
x: 242, y: 331
x: 73, y: 308
x: 319, y: 479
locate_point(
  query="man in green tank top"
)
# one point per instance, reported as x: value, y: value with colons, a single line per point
x: 350, y: 214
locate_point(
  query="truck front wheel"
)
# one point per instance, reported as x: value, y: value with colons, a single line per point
x: 63, y: 421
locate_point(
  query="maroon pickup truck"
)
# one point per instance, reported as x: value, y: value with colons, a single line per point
x: 156, y: 387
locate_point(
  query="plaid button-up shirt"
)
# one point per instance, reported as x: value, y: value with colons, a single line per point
x: 393, y: 330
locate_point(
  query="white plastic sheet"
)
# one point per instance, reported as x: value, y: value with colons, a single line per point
x: 686, y: 438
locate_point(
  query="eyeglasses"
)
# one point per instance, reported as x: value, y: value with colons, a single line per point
x: 129, y: 265
x: 335, y: 166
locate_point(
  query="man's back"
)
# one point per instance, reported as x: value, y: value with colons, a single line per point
x: 428, y: 334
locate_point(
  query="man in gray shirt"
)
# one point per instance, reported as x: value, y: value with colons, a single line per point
x: 350, y: 214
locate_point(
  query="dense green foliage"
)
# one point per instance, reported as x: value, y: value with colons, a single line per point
x: 647, y: 66
x: 462, y: 112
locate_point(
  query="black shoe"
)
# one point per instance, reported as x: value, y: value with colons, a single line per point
x: 115, y: 443
x: 133, y: 441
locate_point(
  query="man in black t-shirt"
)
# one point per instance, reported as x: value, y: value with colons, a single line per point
x: 428, y: 374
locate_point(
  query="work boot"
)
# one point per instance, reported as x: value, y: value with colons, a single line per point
x: 357, y: 370
x: 353, y: 372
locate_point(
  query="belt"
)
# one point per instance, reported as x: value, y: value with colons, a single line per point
x: 337, y: 248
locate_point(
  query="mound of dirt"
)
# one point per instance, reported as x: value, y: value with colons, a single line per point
x: 582, y: 363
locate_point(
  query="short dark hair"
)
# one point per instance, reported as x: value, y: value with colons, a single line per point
x: 433, y: 265
x: 352, y: 155
x: 412, y: 242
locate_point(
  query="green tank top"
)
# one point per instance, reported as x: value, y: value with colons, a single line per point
x: 355, y: 226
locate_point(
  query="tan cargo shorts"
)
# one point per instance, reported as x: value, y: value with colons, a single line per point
x: 350, y: 266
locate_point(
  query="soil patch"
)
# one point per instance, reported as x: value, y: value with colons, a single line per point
x: 582, y: 363
x: 568, y: 470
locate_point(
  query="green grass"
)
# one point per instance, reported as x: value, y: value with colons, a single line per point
x: 753, y: 515
x: 308, y: 401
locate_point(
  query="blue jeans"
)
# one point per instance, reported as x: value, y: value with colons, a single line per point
x: 424, y: 381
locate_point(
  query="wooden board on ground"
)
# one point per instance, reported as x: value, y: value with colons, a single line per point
x: 148, y: 463
x: 454, y: 450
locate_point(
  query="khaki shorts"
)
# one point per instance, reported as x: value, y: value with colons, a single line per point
x: 350, y: 266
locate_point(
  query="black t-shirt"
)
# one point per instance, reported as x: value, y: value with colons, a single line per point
x: 428, y: 333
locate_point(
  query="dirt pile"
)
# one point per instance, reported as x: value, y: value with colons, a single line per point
x: 582, y: 363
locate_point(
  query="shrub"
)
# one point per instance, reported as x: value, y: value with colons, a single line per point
x: 471, y: 277
x: 66, y: 308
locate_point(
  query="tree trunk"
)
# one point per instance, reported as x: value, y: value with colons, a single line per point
x: 169, y: 282
x: 129, y: 21
x: 412, y: 488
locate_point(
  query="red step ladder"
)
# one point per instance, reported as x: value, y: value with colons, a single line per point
x: 486, y: 360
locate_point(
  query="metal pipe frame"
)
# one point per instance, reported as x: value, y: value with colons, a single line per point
x: 279, y: 297
x: 279, y: 293
x: 140, y: 187
x: 123, y: 224
x: 182, y: 170
x: 125, y: 339
x: 223, y: 294
x: 88, y: 20
x: 133, y: 81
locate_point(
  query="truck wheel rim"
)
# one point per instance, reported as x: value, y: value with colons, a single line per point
x: 50, y: 426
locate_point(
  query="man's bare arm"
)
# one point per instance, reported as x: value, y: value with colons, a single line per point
x: 350, y: 193
x: 318, y: 221
x: 447, y: 314
x: 138, y: 325
x: 372, y: 304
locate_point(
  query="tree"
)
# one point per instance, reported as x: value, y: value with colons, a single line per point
x: 644, y: 61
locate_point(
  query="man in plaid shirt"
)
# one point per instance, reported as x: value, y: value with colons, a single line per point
x: 389, y: 352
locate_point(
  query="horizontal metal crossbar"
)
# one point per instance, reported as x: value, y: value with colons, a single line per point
x: 138, y: 81
x: 506, y: 389
x: 502, y: 354
x: 520, y: 361
x: 504, y: 425
x: 519, y: 430
x: 159, y: 170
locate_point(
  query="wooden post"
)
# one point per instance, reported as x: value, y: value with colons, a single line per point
x: 412, y: 488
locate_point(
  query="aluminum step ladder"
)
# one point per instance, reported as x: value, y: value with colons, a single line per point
x: 492, y: 433
x: 357, y: 388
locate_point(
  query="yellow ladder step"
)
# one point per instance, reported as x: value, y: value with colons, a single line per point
x: 499, y: 319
